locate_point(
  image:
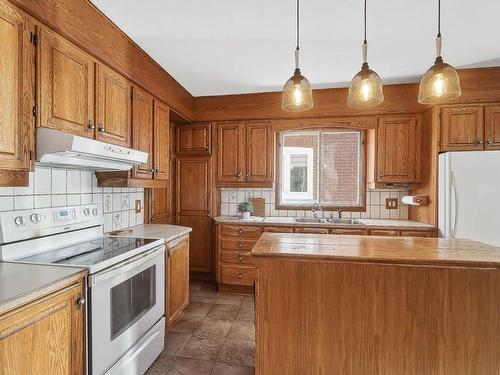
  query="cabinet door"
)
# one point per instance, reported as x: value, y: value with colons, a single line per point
x: 193, y: 191
x: 113, y: 106
x: 47, y: 334
x: 161, y: 140
x: 17, y: 63
x: 200, y: 245
x: 260, y: 151
x: 396, y: 138
x: 66, y: 86
x: 462, y: 129
x: 194, y: 139
x: 142, y: 130
x: 178, y: 280
x: 160, y: 206
x: 492, y: 127
x: 230, y: 152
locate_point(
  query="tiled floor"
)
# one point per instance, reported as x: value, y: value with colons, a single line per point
x: 215, y: 335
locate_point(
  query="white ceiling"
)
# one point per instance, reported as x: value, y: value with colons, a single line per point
x: 240, y: 46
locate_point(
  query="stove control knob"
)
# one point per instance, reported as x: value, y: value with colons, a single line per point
x: 35, y: 218
x: 94, y: 212
x: 20, y: 221
x: 86, y: 211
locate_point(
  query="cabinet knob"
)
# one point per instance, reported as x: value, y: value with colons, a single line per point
x: 240, y: 231
x: 80, y: 301
x: 240, y: 276
x: 479, y: 141
x: 100, y: 128
x: 248, y: 174
x: 490, y: 142
x: 240, y: 257
x: 238, y: 174
x: 206, y: 148
x: 90, y: 125
x: 152, y: 171
x: 208, y: 215
x: 240, y: 245
x: 381, y: 174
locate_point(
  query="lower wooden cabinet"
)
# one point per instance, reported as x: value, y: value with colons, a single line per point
x: 177, y: 288
x: 200, y: 249
x: 44, y: 337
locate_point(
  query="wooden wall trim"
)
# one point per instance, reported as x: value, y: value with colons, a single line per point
x: 83, y: 24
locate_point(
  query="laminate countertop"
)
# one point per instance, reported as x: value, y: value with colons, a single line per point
x: 370, y: 249
x: 155, y: 231
x: 365, y: 223
x: 23, y: 283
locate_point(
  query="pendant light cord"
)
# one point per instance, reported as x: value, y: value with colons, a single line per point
x: 365, y: 23
x: 439, y: 18
x: 298, y: 25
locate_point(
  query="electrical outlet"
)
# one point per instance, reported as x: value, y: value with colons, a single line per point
x: 391, y: 203
x: 138, y: 206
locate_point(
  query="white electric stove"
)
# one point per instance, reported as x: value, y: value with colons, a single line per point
x: 125, y: 286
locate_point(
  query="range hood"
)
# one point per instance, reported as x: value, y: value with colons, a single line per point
x: 55, y: 148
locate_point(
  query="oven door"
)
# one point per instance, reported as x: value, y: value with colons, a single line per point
x: 125, y: 302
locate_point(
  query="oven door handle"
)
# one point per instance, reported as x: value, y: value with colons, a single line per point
x: 135, y: 262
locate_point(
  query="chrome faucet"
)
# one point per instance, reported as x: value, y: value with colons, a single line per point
x: 315, y: 207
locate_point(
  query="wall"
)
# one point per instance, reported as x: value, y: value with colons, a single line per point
x: 375, y: 204
x: 61, y: 187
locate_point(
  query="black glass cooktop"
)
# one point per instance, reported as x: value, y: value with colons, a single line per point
x: 89, y: 253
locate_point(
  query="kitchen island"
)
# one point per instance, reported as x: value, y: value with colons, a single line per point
x: 328, y: 304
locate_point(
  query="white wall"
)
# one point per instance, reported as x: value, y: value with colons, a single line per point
x: 65, y: 187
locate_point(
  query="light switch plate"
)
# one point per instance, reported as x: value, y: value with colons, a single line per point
x: 391, y: 203
x: 138, y: 206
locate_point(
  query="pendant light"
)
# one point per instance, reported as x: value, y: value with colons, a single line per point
x: 441, y: 82
x: 297, y: 91
x: 366, y: 86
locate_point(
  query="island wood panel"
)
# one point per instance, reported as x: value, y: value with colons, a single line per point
x: 462, y: 128
x: 65, y: 86
x: 84, y: 25
x: 142, y: 130
x: 492, y: 127
x: 44, y: 337
x: 344, y: 318
x: 161, y: 141
x: 178, y: 280
x: 113, y: 107
x: 17, y: 95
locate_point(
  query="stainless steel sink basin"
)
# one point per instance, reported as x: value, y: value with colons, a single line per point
x: 344, y: 221
x: 311, y: 220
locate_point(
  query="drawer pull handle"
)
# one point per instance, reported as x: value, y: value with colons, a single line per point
x: 240, y: 245
x: 240, y: 258
x: 240, y: 276
x: 240, y: 231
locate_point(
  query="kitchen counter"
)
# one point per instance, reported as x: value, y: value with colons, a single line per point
x: 156, y: 231
x: 23, y: 283
x: 366, y: 223
x: 407, y: 250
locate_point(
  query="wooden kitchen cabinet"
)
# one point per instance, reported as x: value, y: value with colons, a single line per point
x: 17, y: 96
x: 200, y: 247
x: 142, y: 130
x: 398, y: 140
x: 66, y: 86
x: 260, y: 151
x: 160, y: 209
x: 194, y: 139
x: 113, y: 107
x: 462, y: 128
x: 161, y: 141
x: 230, y: 152
x: 44, y: 337
x: 177, y: 279
x: 492, y: 127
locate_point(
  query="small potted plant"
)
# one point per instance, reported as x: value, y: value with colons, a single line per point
x: 245, y: 208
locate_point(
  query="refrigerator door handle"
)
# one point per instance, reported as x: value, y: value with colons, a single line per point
x: 453, y: 186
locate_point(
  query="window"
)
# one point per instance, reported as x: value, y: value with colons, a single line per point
x: 323, y: 166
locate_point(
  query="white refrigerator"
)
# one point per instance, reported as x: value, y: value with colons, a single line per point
x: 469, y: 196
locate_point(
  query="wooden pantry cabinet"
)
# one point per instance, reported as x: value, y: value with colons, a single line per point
x: 245, y: 153
x: 177, y: 277
x: 470, y: 128
x: 45, y: 336
x: 17, y: 96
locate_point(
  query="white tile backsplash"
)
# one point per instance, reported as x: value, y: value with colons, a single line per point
x: 375, y: 204
x: 60, y: 187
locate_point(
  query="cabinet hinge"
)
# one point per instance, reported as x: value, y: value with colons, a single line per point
x: 33, y: 38
x: 34, y: 111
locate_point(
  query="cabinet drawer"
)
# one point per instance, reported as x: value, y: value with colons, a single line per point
x: 237, y: 275
x: 312, y: 230
x: 237, y: 257
x: 382, y: 232
x: 278, y: 230
x: 418, y: 233
x: 358, y: 232
x: 240, y: 231
x: 237, y: 245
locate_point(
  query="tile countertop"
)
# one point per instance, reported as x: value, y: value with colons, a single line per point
x: 366, y: 223
x: 156, y: 231
x: 23, y: 283
x: 393, y: 250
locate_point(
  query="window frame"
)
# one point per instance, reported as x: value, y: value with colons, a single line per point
x: 363, y: 166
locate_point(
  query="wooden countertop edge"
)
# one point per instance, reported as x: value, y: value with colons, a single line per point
x: 336, y: 226
x: 32, y: 295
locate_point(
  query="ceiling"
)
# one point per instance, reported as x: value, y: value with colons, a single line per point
x: 241, y: 46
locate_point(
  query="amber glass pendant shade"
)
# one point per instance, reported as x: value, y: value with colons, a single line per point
x: 440, y: 84
x: 297, y: 94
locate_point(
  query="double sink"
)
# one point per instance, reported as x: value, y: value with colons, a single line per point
x: 319, y: 220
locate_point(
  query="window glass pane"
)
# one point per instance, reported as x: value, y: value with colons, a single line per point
x: 298, y: 173
x: 131, y: 299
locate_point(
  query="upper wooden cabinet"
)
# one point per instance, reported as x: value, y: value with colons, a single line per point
x: 492, y: 127
x: 462, y: 128
x: 66, y: 86
x: 17, y: 82
x: 161, y: 140
x: 194, y: 179
x: 194, y: 139
x: 245, y: 153
x: 113, y: 107
x: 142, y: 129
